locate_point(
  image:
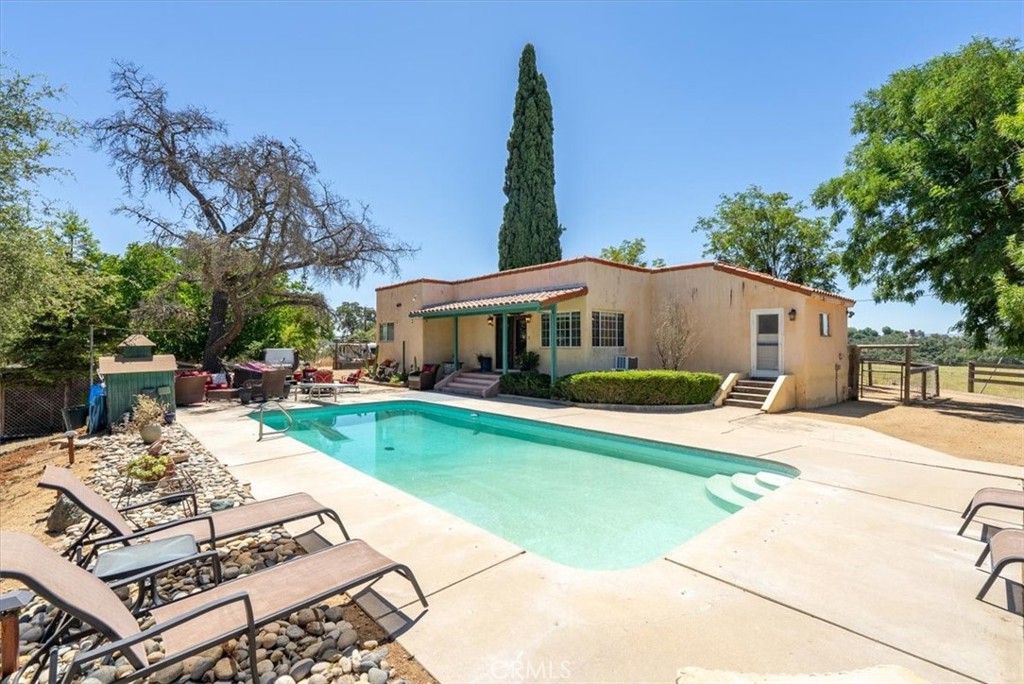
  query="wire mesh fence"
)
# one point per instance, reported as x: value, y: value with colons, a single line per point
x: 29, y: 409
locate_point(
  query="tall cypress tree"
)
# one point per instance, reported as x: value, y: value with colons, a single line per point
x: 529, y: 231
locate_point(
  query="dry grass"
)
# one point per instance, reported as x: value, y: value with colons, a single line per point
x: 954, y: 378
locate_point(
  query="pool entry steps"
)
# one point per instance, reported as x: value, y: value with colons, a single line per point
x: 733, y: 492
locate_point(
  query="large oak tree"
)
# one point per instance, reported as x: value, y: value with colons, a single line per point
x: 930, y: 184
x: 244, y: 213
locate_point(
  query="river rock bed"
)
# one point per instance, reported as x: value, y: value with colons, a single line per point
x: 315, y: 645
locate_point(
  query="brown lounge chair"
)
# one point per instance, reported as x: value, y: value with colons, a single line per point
x: 206, y: 528
x: 991, y: 496
x: 1006, y: 546
x: 199, y: 621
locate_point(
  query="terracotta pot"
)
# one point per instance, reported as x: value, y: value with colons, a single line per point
x: 150, y: 433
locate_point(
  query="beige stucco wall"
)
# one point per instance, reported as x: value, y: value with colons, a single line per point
x: 719, y: 305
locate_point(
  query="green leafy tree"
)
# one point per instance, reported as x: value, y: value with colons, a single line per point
x: 931, y: 184
x: 356, y: 323
x: 153, y: 296
x: 56, y: 341
x: 247, y: 214
x: 30, y: 135
x: 530, y: 233
x: 1010, y: 282
x: 765, y: 232
x: 1010, y: 297
x: 630, y: 252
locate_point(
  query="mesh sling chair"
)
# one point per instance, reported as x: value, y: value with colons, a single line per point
x: 205, y: 529
x: 1006, y: 547
x: 991, y: 496
x: 197, y: 622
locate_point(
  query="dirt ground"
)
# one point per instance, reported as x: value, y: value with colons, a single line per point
x: 973, y: 426
x: 24, y: 507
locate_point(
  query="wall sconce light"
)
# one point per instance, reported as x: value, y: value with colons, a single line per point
x: 490, y: 321
x: 528, y: 317
x: 849, y: 313
x: 792, y: 314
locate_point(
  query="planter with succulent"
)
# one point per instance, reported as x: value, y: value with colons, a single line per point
x: 147, y: 415
x: 147, y: 468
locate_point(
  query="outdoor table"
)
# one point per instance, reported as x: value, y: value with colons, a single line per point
x: 332, y: 387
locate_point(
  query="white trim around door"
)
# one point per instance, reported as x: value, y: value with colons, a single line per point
x: 767, y: 343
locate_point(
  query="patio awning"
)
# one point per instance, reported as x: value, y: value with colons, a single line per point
x: 511, y: 302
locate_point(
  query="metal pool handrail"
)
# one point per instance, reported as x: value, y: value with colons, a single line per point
x: 263, y: 408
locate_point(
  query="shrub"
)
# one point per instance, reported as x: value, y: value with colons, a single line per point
x: 528, y: 361
x: 644, y: 388
x: 526, y: 385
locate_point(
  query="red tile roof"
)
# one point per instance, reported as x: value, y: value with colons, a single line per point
x: 718, y: 266
x: 544, y: 297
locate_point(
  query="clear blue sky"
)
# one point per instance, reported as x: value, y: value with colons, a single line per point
x: 659, y: 108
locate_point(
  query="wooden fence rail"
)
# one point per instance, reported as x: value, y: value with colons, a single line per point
x: 994, y: 370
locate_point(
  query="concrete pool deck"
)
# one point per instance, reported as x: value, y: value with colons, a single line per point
x: 856, y: 564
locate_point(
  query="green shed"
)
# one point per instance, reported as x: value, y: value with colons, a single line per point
x: 136, y: 370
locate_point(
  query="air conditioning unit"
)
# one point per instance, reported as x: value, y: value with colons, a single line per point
x: 626, y: 363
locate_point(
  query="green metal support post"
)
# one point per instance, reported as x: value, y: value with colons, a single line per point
x: 455, y: 352
x: 553, y: 342
x: 504, y: 344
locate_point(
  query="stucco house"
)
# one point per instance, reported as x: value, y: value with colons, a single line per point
x: 583, y: 313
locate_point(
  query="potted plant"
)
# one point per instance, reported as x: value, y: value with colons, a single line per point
x: 485, y: 362
x: 147, y: 468
x: 147, y: 415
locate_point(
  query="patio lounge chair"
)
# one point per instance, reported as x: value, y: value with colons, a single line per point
x: 199, y: 621
x: 205, y: 529
x: 991, y: 496
x: 1006, y: 546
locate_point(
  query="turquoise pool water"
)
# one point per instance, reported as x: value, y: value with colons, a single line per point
x: 581, y: 498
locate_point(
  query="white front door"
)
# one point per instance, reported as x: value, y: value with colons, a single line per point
x: 766, y: 343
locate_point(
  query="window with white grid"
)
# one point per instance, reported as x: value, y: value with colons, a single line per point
x: 387, y: 332
x: 567, y: 329
x: 607, y: 329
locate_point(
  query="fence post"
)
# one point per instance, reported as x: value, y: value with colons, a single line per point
x: 970, y: 376
x: 871, y: 375
x: 937, y: 368
x: 906, y: 374
x: 924, y: 385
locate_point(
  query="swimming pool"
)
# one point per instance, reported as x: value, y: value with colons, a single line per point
x: 582, y: 498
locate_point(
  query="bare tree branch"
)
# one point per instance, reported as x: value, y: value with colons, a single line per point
x: 251, y: 213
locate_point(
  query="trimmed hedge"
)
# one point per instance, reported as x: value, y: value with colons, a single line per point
x: 526, y: 385
x: 640, y: 387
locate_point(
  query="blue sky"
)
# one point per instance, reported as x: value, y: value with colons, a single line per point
x: 659, y: 108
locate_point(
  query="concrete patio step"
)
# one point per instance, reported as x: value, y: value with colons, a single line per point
x: 720, y: 490
x: 473, y: 385
x: 746, y: 403
x: 772, y: 480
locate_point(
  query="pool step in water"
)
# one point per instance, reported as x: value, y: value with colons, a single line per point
x: 772, y: 480
x: 747, y: 485
x: 721, y: 492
